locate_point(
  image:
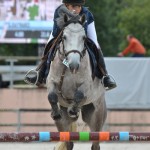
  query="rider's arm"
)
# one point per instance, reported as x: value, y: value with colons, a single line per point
x: 91, y: 34
x: 91, y: 31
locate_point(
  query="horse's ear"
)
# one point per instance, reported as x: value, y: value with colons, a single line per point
x: 66, y: 18
x: 83, y: 19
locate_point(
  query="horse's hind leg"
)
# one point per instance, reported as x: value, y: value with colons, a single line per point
x: 94, y: 116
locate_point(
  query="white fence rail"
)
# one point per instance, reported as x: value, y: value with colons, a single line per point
x: 131, y: 74
x: 13, y: 72
x: 132, y: 123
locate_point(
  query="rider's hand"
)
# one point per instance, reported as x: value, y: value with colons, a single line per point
x: 120, y: 55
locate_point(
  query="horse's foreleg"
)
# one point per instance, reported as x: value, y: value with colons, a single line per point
x: 53, y: 100
x: 95, y: 146
x: 65, y: 125
x: 78, y: 97
x: 94, y: 115
x: 73, y: 111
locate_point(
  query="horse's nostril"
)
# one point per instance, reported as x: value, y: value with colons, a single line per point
x: 73, y: 67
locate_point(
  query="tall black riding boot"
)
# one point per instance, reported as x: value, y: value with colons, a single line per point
x: 107, y: 81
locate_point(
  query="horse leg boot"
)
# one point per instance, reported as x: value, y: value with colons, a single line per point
x: 78, y: 99
x: 108, y: 83
x: 53, y: 100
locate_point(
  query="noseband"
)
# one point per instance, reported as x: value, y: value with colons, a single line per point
x: 76, y: 51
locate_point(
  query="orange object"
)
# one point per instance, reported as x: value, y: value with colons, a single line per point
x: 134, y: 46
x: 64, y: 136
x: 104, y: 136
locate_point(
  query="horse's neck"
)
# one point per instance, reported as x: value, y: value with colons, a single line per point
x: 85, y: 64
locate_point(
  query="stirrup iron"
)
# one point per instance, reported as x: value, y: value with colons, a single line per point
x: 32, y: 71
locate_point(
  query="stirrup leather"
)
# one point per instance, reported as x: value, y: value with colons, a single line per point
x: 32, y: 71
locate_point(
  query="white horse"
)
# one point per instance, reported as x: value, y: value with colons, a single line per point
x: 71, y: 89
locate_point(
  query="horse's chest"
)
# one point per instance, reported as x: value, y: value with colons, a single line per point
x: 71, y: 84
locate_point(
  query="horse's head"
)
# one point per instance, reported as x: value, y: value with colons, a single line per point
x: 73, y: 42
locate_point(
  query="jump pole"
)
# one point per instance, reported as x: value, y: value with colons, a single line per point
x: 75, y: 136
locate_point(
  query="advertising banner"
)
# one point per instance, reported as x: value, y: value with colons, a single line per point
x: 26, y: 21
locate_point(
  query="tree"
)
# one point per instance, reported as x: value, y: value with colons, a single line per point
x: 105, y: 14
x: 116, y: 18
x: 135, y: 19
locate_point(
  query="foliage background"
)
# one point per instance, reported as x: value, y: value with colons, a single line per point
x: 114, y: 19
x: 117, y: 18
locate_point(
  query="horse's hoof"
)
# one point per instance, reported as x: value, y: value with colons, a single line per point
x: 97, y: 147
x: 73, y: 114
x: 56, y: 116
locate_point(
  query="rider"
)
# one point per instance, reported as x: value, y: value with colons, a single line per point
x: 74, y: 8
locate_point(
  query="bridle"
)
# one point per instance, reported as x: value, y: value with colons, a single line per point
x: 65, y: 53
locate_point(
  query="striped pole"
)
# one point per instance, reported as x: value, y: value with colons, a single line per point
x: 74, y: 136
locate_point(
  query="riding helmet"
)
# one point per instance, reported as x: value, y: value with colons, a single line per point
x: 78, y: 2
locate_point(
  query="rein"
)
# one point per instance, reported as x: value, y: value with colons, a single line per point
x: 44, y: 58
x: 61, y: 81
x: 65, y: 54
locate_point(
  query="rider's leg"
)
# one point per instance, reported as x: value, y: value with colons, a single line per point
x: 93, y: 44
x: 50, y: 47
x: 41, y: 78
x: 107, y: 81
x: 102, y: 72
